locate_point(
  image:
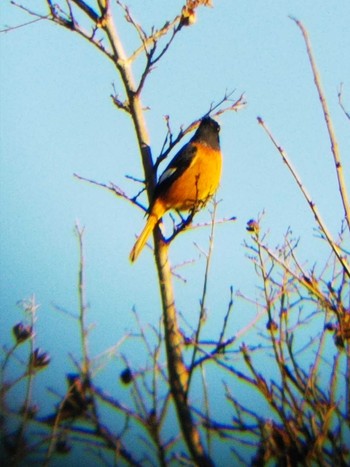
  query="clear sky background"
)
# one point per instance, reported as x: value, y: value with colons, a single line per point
x: 57, y: 119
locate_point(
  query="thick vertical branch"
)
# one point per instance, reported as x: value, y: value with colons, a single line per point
x: 347, y: 379
x: 178, y: 375
x: 82, y: 303
x: 102, y: 18
x: 123, y: 65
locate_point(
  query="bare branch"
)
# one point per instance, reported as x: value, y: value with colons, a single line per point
x: 340, y: 100
x: 170, y: 141
x: 13, y: 28
x: 91, y: 13
x: 114, y: 189
x: 202, y: 311
x: 329, y: 123
x: 311, y: 204
x: 154, y: 37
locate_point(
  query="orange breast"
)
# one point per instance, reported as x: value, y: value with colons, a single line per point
x: 197, y: 184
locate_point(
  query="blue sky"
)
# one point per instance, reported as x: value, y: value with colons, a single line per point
x: 57, y: 119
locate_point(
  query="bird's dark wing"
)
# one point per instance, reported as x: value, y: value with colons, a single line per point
x: 176, y: 168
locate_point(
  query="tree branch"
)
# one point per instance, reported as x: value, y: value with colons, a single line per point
x: 329, y: 123
x: 312, y: 205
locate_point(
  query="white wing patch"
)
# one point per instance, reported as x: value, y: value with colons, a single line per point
x: 167, y: 174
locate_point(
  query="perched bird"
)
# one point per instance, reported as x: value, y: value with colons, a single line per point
x: 190, y: 180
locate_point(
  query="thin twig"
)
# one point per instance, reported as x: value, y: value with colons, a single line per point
x: 329, y: 123
x: 91, y: 13
x: 340, y: 100
x: 311, y: 204
x: 214, y: 109
x: 114, y: 189
x: 13, y: 28
x: 82, y: 303
x: 202, y: 311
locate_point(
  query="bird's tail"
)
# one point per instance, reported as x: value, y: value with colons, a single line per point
x: 141, y: 241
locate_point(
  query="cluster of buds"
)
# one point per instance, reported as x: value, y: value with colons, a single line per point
x: 77, y: 400
x: 22, y: 332
x: 271, y: 325
x: 188, y: 13
x: 126, y: 376
x: 253, y: 226
x: 75, y: 404
x: 39, y: 359
x: 341, y: 331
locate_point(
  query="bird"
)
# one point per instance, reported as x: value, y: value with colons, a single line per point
x: 188, y: 182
